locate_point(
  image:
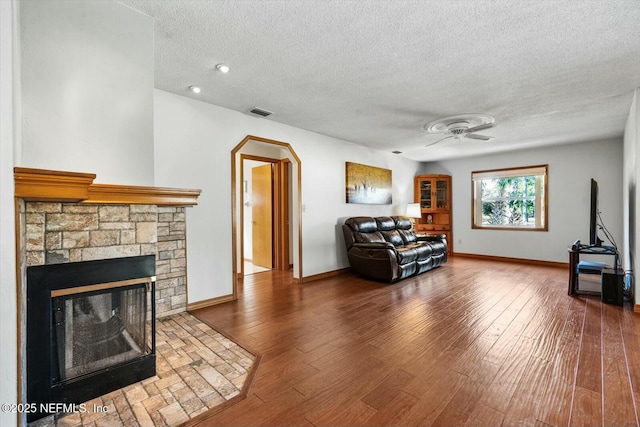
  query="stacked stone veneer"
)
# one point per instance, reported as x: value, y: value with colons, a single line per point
x: 171, y: 261
x: 69, y: 232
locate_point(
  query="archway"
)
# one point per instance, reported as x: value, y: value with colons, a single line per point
x: 266, y: 148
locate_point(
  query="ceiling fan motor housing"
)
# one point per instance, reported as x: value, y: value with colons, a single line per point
x: 458, y: 128
x: 459, y: 124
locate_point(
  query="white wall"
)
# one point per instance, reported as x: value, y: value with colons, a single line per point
x: 8, y: 325
x: 630, y: 188
x: 87, y: 89
x: 570, y: 169
x: 193, y: 145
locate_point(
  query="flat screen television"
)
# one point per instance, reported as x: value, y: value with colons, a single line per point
x: 594, y: 240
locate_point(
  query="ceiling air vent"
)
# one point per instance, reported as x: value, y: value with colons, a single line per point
x: 260, y: 112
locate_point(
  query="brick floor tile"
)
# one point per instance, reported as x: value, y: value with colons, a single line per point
x: 174, y: 414
x: 136, y: 394
x: 154, y: 403
x: 142, y: 416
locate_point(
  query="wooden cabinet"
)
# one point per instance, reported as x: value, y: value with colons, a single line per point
x: 433, y: 192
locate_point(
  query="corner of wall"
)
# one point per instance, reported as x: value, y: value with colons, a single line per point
x: 631, y: 200
x: 8, y: 299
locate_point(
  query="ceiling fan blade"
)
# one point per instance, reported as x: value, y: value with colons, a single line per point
x: 440, y: 140
x: 481, y: 137
x: 480, y: 127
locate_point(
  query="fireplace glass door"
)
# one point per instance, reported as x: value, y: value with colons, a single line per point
x: 99, y: 329
x: 90, y: 328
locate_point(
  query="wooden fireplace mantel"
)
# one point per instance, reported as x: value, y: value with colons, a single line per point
x: 60, y: 186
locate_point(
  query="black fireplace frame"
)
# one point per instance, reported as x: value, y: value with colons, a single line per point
x: 41, y: 281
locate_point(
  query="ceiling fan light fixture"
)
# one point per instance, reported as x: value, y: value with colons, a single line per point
x: 461, y: 126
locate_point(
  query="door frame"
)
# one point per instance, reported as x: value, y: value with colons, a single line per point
x: 253, y: 145
x: 279, y: 210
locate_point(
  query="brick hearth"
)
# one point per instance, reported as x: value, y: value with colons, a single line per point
x: 197, y: 370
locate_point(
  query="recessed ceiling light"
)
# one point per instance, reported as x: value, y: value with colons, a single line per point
x: 223, y: 68
x: 195, y: 89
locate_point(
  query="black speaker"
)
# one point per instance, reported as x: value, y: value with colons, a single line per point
x: 612, y: 287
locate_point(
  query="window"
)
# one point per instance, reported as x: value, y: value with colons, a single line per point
x: 514, y: 199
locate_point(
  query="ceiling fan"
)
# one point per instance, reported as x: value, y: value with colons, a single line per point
x: 461, y: 126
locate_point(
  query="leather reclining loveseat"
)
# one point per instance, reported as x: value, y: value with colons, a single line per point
x: 387, y: 249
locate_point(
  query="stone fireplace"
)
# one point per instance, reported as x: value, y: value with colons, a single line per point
x: 61, y: 232
x: 73, y: 227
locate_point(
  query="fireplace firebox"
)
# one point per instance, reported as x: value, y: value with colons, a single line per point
x: 90, y: 329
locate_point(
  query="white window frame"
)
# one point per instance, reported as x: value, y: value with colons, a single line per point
x: 541, y: 172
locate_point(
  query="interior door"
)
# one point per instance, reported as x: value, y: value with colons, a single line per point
x: 262, y: 213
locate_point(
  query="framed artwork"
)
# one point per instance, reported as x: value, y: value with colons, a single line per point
x: 367, y: 184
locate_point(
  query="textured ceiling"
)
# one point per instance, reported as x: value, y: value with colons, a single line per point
x: 375, y: 72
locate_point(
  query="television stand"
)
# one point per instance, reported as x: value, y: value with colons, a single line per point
x: 574, y: 260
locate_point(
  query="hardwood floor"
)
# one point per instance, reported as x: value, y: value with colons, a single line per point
x: 468, y: 344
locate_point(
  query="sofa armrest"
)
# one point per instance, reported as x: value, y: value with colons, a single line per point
x: 376, y: 260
